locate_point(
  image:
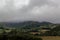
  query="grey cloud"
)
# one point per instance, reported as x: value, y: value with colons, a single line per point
x: 48, y: 11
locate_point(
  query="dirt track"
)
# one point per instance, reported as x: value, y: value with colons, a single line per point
x: 51, y: 37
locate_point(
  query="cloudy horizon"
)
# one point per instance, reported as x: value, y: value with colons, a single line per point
x: 26, y: 10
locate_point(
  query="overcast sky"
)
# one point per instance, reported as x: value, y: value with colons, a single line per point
x: 26, y: 10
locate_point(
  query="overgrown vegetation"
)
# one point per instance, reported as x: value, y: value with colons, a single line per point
x: 16, y: 35
x: 28, y: 30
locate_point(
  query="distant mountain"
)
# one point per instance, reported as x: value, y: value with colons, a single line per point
x: 45, y: 23
x: 24, y: 24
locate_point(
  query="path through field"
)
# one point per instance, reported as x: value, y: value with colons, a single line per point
x: 51, y: 37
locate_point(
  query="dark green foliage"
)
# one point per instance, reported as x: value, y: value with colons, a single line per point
x: 1, y: 27
x: 15, y: 35
x: 56, y: 28
x: 29, y: 26
x: 53, y: 32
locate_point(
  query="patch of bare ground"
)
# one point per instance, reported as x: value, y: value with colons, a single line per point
x: 50, y: 37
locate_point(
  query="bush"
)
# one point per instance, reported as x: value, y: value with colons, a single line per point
x: 14, y: 35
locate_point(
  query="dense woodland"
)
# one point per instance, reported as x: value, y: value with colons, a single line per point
x: 16, y: 35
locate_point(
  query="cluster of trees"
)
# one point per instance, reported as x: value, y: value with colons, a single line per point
x: 53, y: 32
x: 7, y: 37
x: 16, y: 35
x: 19, y: 35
